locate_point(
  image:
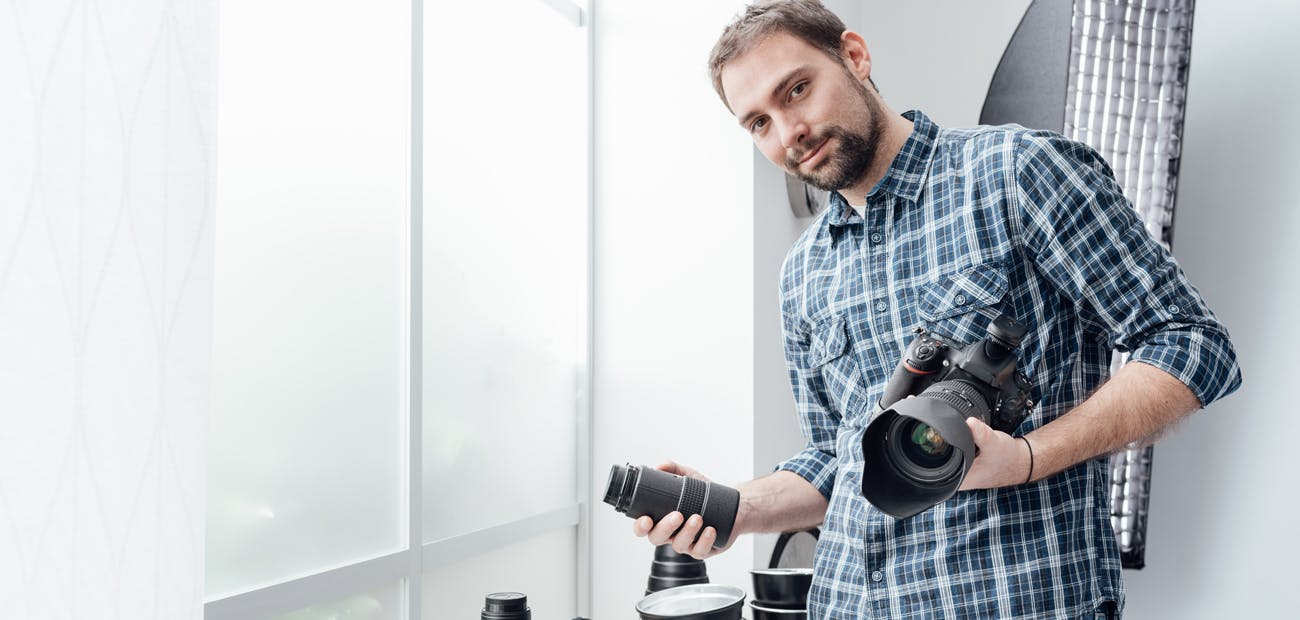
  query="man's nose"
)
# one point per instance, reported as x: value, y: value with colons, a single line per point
x: 793, y: 133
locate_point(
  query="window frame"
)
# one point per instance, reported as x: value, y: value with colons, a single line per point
x: 407, y: 566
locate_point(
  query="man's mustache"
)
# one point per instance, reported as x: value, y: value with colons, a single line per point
x: 814, y: 142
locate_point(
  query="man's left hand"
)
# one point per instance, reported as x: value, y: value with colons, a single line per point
x: 1003, y: 460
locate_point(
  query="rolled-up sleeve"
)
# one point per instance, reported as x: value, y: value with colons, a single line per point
x: 1127, y: 289
x: 818, y: 420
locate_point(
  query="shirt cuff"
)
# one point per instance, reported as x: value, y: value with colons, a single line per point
x: 1203, y: 359
x: 815, y: 466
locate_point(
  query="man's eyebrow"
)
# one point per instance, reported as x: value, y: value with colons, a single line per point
x: 776, y: 92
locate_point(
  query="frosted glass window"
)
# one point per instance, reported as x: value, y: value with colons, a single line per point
x: 384, y: 604
x: 310, y: 356
x: 543, y: 567
x: 505, y: 261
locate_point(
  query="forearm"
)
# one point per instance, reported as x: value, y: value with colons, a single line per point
x: 1139, y: 402
x: 782, y: 501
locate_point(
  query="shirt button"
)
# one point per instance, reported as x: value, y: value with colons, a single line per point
x: 960, y: 300
x: 1174, y: 309
x: 881, y: 306
x: 876, y: 237
x: 877, y: 576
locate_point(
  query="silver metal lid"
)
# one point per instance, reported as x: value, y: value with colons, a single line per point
x: 782, y: 571
x: 690, y: 599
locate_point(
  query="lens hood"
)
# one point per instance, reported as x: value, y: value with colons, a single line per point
x: 887, y: 485
x: 671, y: 569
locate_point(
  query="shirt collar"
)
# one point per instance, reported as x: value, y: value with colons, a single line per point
x: 906, y: 175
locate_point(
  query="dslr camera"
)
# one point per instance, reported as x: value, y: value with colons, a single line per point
x: 917, y: 451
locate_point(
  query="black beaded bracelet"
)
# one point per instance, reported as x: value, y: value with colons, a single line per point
x: 1031, y: 459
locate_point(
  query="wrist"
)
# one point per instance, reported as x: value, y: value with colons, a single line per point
x: 745, y: 510
x: 1029, y: 459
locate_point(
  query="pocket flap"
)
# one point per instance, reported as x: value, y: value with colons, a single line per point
x: 829, y: 340
x: 963, y: 292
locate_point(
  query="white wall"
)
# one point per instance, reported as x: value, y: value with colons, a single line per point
x: 673, y: 282
x: 776, y: 427
x: 1222, y: 542
x: 938, y: 55
x: 106, y: 128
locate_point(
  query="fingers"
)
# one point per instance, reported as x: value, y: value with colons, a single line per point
x: 684, y: 539
x: 980, y: 432
x: 642, y: 526
x: 704, y: 546
x: 673, y: 467
x: 683, y: 534
x: 670, y: 467
x: 664, y: 529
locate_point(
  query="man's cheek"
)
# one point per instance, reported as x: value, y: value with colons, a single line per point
x: 777, y: 157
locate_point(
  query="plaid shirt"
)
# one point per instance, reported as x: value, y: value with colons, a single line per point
x: 968, y: 224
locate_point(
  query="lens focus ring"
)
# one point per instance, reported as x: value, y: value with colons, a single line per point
x: 693, y: 494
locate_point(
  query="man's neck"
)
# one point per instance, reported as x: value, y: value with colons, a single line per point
x: 897, y: 130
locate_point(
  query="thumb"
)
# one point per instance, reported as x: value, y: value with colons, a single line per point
x: 670, y: 466
x: 979, y: 430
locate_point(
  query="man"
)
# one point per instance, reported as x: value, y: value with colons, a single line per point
x: 948, y: 229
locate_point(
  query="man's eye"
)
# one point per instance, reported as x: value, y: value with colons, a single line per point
x: 758, y: 125
x: 799, y: 89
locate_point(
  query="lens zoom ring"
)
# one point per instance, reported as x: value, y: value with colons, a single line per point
x: 960, y: 396
x: 692, y: 502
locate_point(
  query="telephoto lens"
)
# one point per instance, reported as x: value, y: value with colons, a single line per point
x: 642, y: 490
x: 506, y: 606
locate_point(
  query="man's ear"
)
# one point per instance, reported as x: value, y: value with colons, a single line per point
x: 854, y: 53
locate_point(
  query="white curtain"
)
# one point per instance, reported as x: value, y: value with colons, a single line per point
x: 106, y: 217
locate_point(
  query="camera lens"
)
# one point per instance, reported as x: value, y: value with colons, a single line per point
x: 637, y: 491
x: 916, y: 452
x: 620, y: 485
x: 506, y: 606
x: 919, y: 453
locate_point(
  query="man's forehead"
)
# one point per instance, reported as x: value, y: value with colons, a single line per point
x: 748, y: 78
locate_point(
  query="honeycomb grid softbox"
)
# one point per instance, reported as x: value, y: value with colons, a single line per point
x: 1113, y: 75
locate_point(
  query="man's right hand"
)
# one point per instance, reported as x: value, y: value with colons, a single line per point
x: 689, y: 540
x: 778, y: 502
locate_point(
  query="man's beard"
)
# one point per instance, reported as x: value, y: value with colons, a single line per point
x: 848, y: 164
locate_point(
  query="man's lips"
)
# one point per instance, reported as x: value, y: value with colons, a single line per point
x: 815, y: 151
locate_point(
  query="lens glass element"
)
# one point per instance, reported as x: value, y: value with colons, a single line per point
x: 919, y: 453
x: 923, y: 445
x: 929, y: 440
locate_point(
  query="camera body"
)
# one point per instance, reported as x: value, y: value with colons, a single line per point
x: 916, y: 451
x: 932, y: 358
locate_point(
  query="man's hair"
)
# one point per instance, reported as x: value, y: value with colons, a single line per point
x: 807, y: 20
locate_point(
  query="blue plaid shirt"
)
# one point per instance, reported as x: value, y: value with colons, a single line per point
x: 968, y: 224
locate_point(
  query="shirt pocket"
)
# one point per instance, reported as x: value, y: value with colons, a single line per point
x: 962, y: 304
x: 830, y: 355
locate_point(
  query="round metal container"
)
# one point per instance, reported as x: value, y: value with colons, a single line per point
x: 785, y: 588
x: 773, y: 613
x: 705, y: 601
